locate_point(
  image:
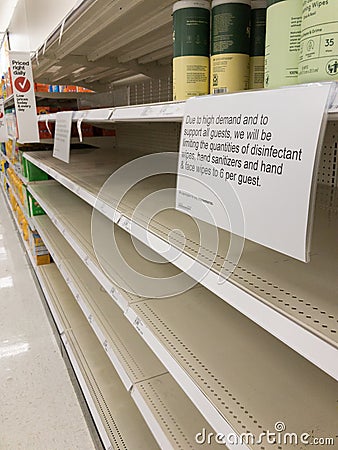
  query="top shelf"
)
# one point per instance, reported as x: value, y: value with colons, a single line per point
x: 105, y: 41
x: 9, y: 101
x: 159, y: 112
x: 153, y: 112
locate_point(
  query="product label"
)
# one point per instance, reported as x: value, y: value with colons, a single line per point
x: 229, y: 73
x: 258, y: 28
x: 24, y: 96
x: 256, y: 80
x: 243, y: 170
x: 191, y: 32
x: 230, y: 28
x: 283, y: 30
x: 318, y: 60
x: 3, y: 127
x: 190, y: 76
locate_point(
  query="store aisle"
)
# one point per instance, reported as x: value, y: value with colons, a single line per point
x: 39, y: 409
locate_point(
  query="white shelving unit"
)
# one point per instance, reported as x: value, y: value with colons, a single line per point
x: 232, y: 355
x: 97, y: 337
x: 182, y: 341
x: 138, y: 368
x: 152, y: 112
x: 308, y: 323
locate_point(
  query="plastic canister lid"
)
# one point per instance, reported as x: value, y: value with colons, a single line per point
x: 259, y: 4
x: 182, y: 4
x: 223, y: 2
x: 272, y: 2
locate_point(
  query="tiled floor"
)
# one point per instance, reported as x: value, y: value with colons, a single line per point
x: 39, y: 409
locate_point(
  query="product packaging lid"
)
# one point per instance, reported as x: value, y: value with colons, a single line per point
x: 272, y: 2
x: 223, y: 2
x: 183, y: 4
x: 259, y: 4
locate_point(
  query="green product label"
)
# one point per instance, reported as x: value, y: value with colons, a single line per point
x: 230, y: 31
x: 283, y: 29
x: 318, y: 59
x: 191, y: 32
x: 258, y: 28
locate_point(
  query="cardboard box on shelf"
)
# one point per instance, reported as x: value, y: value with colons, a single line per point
x: 34, y: 209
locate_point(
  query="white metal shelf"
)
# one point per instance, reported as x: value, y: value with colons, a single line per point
x: 130, y: 356
x: 139, y: 369
x: 153, y: 112
x: 284, y: 296
x: 171, y: 111
x: 104, y: 47
x: 9, y: 101
x: 72, y: 217
x: 118, y: 421
x: 189, y: 334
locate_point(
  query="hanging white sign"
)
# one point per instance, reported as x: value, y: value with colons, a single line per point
x: 3, y: 127
x: 24, y: 96
x: 63, y: 128
x: 247, y: 163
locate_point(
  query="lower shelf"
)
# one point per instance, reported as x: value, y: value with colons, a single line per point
x: 159, y: 398
x: 117, y: 418
x: 240, y: 377
x: 96, y: 334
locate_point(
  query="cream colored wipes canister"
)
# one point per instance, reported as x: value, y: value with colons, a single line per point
x: 318, y: 59
x: 283, y: 29
x: 230, y: 46
x: 191, y: 35
x: 257, y: 43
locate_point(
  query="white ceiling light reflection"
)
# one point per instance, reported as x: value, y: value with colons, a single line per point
x: 13, y: 350
x: 3, y: 254
x: 6, y: 282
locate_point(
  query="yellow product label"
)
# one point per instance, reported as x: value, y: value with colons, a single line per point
x: 282, y: 43
x: 256, y: 80
x: 318, y: 60
x: 190, y: 76
x: 229, y: 73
